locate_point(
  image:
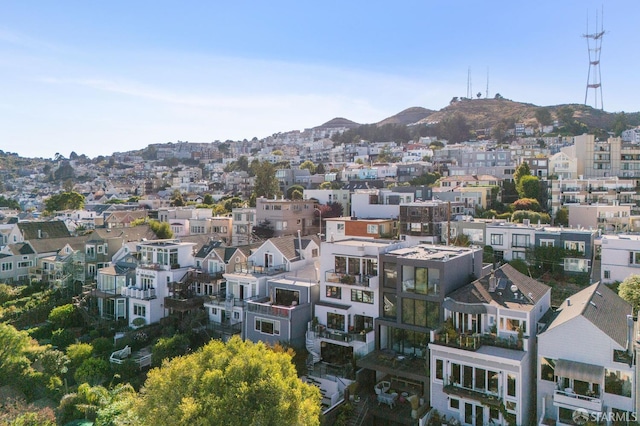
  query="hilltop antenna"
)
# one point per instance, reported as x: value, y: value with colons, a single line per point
x: 487, y: 93
x: 469, y: 89
x: 594, y: 79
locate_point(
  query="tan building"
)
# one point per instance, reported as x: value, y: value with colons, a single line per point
x: 602, y: 191
x: 287, y: 217
x: 606, y: 158
x: 608, y: 218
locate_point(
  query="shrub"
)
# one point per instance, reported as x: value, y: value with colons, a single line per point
x: 64, y: 316
x: 62, y: 338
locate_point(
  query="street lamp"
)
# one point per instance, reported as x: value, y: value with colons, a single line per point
x: 320, y: 214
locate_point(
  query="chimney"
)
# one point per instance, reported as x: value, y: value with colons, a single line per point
x: 493, y: 283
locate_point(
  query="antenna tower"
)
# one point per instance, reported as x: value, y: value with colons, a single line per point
x: 469, y: 89
x: 487, y: 93
x: 594, y: 46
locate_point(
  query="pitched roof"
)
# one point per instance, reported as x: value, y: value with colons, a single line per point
x: 527, y: 290
x: 52, y: 245
x: 288, y: 245
x: 41, y: 229
x: 599, y: 305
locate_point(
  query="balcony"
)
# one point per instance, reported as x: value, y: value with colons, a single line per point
x: 341, y: 336
x: 331, y: 276
x: 136, y: 293
x: 249, y: 268
x: 473, y: 342
x: 266, y: 308
x: 221, y: 299
x: 224, y: 328
x: 202, y: 277
x: 568, y: 398
x: 483, y: 397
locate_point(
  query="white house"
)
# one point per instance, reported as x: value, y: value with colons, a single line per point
x: 620, y: 257
x: 585, y: 363
x: 482, y: 360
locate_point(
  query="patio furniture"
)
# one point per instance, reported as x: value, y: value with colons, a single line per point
x: 388, y: 398
x: 382, y: 387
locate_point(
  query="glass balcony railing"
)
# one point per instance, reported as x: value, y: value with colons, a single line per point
x: 331, y: 276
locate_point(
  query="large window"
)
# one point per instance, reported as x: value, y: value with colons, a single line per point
x: 408, y: 342
x: 617, y: 382
x: 420, y: 312
x: 574, y: 246
x: 496, y: 239
x: 511, y: 385
x: 439, y: 369
x: 362, y: 296
x: 576, y: 265
x: 372, y: 229
x: 634, y: 258
x: 266, y: 326
x: 139, y: 310
x: 390, y: 278
x: 520, y: 240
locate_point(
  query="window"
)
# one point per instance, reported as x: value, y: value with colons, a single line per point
x: 334, y: 292
x: 139, y: 310
x: 512, y: 324
x: 454, y: 404
x: 607, y: 274
x: 439, y: 369
x: 372, y: 229
x: 236, y: 315
x: 25, y: 264
x: 420, y: 312
x: 340, y: 227
x: 214, y: 311
x: 574, y: 246
x: 362, y: 296
x: 7, y: 266
x: 547, y: 369
x: 390, y: 277
x: 266, y: 326
x: 335, y: 321
x: 496, y: 239
x: 519, y: 240
x: 576, y: 265
x: 511, y: 385
x: 100, y: 249
x: 390, y: 305
x: 546, y: 243
x: 634, y: 258
x: 617, y: 382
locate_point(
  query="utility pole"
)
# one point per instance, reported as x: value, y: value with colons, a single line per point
x: 448, y: 223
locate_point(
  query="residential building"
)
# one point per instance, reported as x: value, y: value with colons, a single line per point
x: 607, y: 158
x: 326, y: 196
x: 288, y: 255
x: 286, y: 217
x: 16, y: 259
x: 282, y: 315
x: 339, y: 228
x: 601, y: 191
x: 563, y: 166
x: 422, y: 222
x: 244, y: 219
x: 619, y: 257
x: 607, y: 218
x: 413, y: 284
x: 585, y: 361
x: 162, y: 262
x: 483, y: 359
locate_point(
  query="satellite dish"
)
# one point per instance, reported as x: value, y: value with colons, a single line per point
x: 514, y: 288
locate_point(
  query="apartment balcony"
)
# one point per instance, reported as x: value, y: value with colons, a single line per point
x: 567, y: 398
x: 202, y: 277
x: 484, y: 397
x: 249, y: 268
x: 224, y: 328
x: 331, y: 276
x: 221, y: 299
x: 267, y: 308
x: 473, y: 342
x: 341, y: 336
x: 136, y: 293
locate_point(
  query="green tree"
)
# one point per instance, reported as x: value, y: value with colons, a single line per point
x: 161, y: 229
x: 208, y: 199
x: 78, y: 353
x: 629, y: 290
x: 529, y: 187
x: 14, y: 346
x: 266, y: 182
x: 92, y: 370
x: 62, y: 338
x: 543, y: 116
x: 176, y: 199
x: 565, y: 116
x: 562, y: 216
x: 64, y: 316
x: 325, y: 185
x: 169, y: 347
x: 309, y: 165
x: 527, y: 204
x: 233, y: 383
x: 292, y: 189
x: 320, y: 169
x: 65, y: 201
x: 620, y: 124
x: 522, y: 170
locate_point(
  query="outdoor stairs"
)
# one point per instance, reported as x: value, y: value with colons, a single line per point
x: 360, y: 409
x: 311, y: 347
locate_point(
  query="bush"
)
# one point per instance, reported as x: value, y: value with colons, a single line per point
x: 64, y: 316
x: 62, y: 338
x: 93, y: 371
x: 102, y: 346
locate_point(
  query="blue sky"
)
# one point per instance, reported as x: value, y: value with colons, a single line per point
x: 100, y: 77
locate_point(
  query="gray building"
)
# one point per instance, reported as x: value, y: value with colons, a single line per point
x: 283, y: 315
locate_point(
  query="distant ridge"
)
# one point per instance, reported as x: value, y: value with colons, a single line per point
x: 338, y: 122
x: 408, y: 116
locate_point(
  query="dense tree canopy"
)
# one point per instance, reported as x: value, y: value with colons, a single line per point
x: 233, y: 383
x: 65, y: 201
x: 528, y: 187
x: 266, y: 182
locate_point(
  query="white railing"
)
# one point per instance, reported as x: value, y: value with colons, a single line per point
x: 572, y: 399
x: 136, y: 293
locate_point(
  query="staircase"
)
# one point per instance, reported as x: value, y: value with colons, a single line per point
x: 314, y: 355
x: 360, y: 410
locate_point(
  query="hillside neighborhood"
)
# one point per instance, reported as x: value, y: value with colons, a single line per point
x: 434, y: 268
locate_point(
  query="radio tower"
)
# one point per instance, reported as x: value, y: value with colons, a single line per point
x: 594, y: 46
